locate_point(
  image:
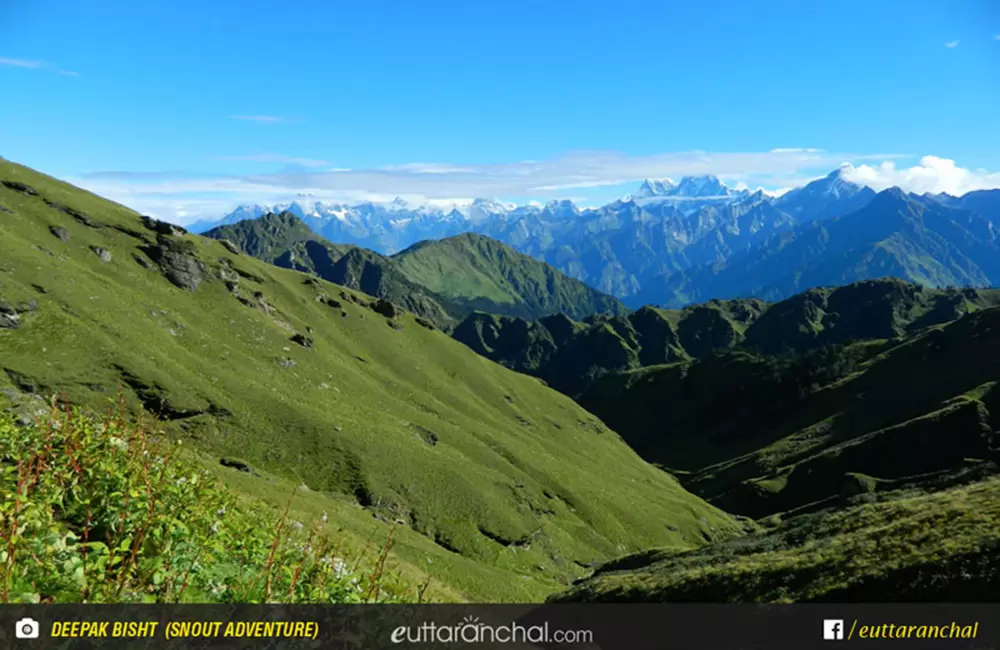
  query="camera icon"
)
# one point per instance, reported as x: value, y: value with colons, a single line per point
x: 26, y: 628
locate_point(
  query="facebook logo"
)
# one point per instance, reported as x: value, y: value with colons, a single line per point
x: 833, y: 629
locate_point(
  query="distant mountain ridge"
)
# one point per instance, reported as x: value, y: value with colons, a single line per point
x: 442, y: 280
x: 894, y: 234
x: 570, y: 354
x: 678, y: 243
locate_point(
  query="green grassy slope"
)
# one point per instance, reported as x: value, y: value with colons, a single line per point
x: 761, y: 434
x: 286, y: 241
x: 940, y: 547
x: 502, y: 488
x: 443, y: 281
x: 766, y: 408
x: 269, y: 237
x: 476, y: 272
x: 569, y: 355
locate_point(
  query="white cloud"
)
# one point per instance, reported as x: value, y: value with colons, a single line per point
x: 30, y: 64
x: 186, y: 197
x: 952, y: 44
x: 932, y: 175
x: 276, y: 158
x: 23, y: 63
x: 795, y: 150
x: 550, y: 177
x: 429, y: 168
x: 260, y: 119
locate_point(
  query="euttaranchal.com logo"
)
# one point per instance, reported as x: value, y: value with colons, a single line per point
x: 472, y: 630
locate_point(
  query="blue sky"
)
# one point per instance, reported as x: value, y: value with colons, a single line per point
x: 184, y: 108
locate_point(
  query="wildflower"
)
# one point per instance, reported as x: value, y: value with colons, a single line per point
x: 297, y: 525
x: 221, y: 511
x: 215, y: 527
x: 118, y: 443
x: 324, y: 518
x: 339, y: 567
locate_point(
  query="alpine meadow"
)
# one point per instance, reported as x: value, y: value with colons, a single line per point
x: 500, y: 303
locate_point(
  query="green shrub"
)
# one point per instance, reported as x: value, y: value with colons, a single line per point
x: 99, y: 509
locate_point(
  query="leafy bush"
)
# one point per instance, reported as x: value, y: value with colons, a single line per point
x: 98, y: 509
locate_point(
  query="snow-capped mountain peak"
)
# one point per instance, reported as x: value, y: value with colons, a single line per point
x: 837, y: 183
x: 652, y: 187
x: 701, y: 187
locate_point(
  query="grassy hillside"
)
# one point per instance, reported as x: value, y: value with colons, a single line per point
x: 500, y: 488
x: 286, y: 241
x: 475, y: 272
x: 442, y: 281
x: 940, y: 547
x: 759, y: 435
x: 770, y: 408
x: 569, y: 354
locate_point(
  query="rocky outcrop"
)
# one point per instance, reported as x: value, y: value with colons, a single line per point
x: 60, y: 233
x: 178, y: 260
x: 162, y: 227
x: 10, y: 319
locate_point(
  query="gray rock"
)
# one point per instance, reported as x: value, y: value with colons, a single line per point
x: 9, y: 318
x: 178, y: 260
x: 285, y: 362
x: 10, y: 321
x: 102, y: 253
x: 60, y: 233
x: 27, y: 409
x: 230, y: 246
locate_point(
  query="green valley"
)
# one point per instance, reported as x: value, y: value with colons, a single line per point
x: 735, y: 450
x: 497, y: 488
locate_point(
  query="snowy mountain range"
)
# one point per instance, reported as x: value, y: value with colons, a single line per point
x: 389, y: 227
x: 666, y: 229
